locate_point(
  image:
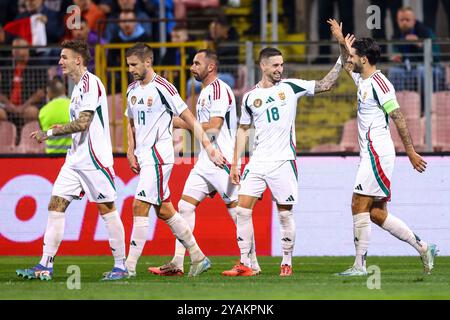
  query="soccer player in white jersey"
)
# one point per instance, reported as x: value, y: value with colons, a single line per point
x: 88, y: 167
x: 216, y: 111
x: 271, y: 106
x: 152, y: 103
x: 376, y: 103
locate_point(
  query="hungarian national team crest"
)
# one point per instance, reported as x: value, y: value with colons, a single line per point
x: 282, y: 95
x: 133, y: 99
x: 364, y: 96
x: 149, y: 101
x: 257, y: 103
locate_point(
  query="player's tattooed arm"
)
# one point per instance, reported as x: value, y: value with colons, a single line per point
x: 329, y: 80
x: 400, y: 122
x: 402, y: 128
x: 345, y: 43
x: 78, y: 125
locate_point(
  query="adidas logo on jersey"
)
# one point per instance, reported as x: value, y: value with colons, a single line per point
x: 101, y: 196
x: 141, y: 101
x: 142, y: 194
x: 270, y: 100
x: 291, y: 198
x: 224, y: 196
x: 358, y: 187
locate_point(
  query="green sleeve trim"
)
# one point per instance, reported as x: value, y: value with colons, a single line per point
x: 391, y: 105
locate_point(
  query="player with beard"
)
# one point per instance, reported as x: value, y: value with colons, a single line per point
x: 216, y: 111
x: 377, y: 103
x: 271, y: 106
x: 152, y: 102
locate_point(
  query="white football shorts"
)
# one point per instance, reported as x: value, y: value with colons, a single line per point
x: 280, y: 176
x: 74, y: 183
x: 374, y: 177
x: 204, y: 182
x: 153, y: 185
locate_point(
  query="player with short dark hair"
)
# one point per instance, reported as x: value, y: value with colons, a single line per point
x: 271, y: 106
x: 377, y: 103
x: 152, y: 103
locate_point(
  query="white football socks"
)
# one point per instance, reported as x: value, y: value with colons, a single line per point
x: 180, y: 228
x: 361, y: 230
x: 116, y: 235
x: 137, y: 241
x: 54, y: 233
x: 253, y: 258
x: 245, y: 234
x: 287, y: 225
x: 401, y: 231
x: 187, y: 211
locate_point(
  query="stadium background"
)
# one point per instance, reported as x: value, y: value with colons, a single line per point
x: 326, y: 143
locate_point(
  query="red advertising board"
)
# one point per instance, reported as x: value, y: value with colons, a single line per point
x: 25, y: 186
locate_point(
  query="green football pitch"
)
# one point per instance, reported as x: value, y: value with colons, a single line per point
x: 313, y: 278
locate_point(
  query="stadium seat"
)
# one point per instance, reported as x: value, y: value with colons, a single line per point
x: 28, y: 145
x: 409, y: 103
x: 349, y: 140
x: 8, y: 134
x: 440, y: 133
x: 327, y: 147
x: 440, y: 104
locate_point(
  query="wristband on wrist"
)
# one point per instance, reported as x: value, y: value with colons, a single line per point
x: 50, y: 133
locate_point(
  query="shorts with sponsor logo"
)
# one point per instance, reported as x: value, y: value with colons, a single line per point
x: 98, y: 184
x: 207, y: 181
x: 153, y: 185
x: 374, y: 177
x: 280, y: 176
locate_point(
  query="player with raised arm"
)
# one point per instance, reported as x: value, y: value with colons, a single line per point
x: 216, y: 111
x: 376, y: 103
x: 152, y: 102
x: 272, y: 107
x: 88, y: 167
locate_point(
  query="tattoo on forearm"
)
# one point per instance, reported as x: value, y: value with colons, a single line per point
x: 329, y: 80
x: 80, y: 124
x: 58, y: 204
x: 402, y: 128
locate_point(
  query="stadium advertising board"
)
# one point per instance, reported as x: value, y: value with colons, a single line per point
x: 323, y: 216
x: 25, y: 188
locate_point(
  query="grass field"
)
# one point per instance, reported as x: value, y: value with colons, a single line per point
x: 401, y: 278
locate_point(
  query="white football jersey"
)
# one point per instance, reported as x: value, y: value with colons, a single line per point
x: 373, y: 122
x: 217, y: 100
x: 90, y: 149
x: 152, y: 107
x: 273, y: 112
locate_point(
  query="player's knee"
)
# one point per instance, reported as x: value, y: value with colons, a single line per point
x: 284, y: 215
x: 377, y: 217
x: 184, y: 206
x: 243, y: 213
x: 58, y: 204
